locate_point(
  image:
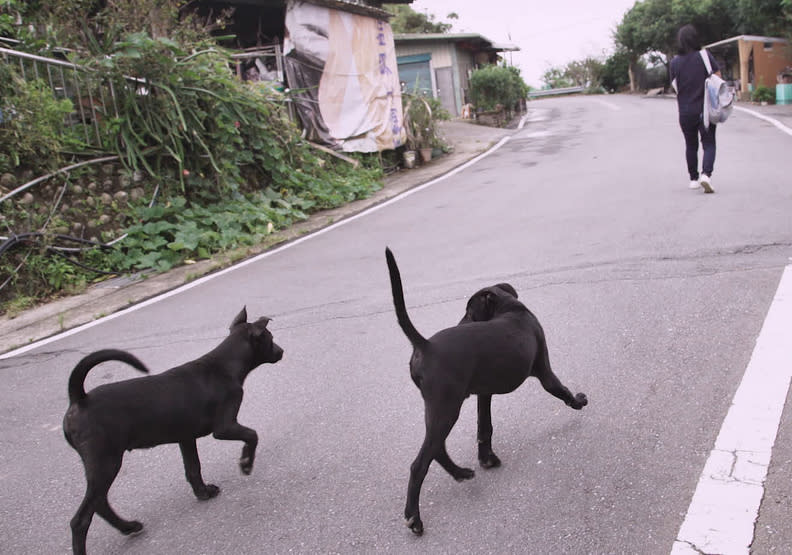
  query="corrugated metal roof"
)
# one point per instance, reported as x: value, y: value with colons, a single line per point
x: 453, y: 37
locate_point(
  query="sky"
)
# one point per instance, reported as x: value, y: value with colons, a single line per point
x: 549, y: 33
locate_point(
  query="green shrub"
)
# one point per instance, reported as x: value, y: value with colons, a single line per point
x: 491, y: 86
x: 190, y: 123
x: 32, y: 123
x: 763, y: 94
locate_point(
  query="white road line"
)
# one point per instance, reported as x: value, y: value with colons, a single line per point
x: 607, y: 104
x: 725, y: 505
x: 775, y: 122
x: 261, y: 256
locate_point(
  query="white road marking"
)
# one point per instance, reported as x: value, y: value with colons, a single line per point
x: 725, y: 505
x: 775, y: 122
x: 607, y: 104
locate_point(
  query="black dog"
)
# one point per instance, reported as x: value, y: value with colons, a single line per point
x: 187, y: 402
x: 497, y: 345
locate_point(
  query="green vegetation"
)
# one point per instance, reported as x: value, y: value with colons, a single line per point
x: 763, y: 94
x: 206, y: 164
x: 645, y: 40
x: 32, y: 123
x: 650, y: 27
x: 492, y: 86
x: 421, y: 114
x: 615, y: 75
x: 585, y: 73
x: 407, y: 20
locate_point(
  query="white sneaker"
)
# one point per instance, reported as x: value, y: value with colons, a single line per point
x: 694, y: 184
x: 706, y: 182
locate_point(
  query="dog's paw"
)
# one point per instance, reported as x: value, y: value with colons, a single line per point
x: 246, y: 465
x: 490, y: 460
x: 415, y: 524
x: 579, y: 402
x: 207, y: 492
x: 133, y: 528
x: 461, y: 474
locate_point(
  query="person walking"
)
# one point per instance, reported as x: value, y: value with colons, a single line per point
x: 688, y: 74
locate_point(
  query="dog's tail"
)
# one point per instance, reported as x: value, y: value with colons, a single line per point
x: 407, y: 326
x: 77, y: 378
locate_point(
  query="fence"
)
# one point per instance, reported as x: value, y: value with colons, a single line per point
x: 92, y: 101
x: 554, y: 92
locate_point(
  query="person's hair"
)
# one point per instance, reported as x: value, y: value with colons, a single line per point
x: 688, y: 39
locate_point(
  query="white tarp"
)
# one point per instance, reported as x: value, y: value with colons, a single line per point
x: 344, y: 68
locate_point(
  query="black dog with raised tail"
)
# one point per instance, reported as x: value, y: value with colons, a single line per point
x: 497, y: 345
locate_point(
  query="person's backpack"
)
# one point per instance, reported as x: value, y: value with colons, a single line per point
x: 718, y: 96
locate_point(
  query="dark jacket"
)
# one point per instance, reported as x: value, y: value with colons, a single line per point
x: 690, y: 73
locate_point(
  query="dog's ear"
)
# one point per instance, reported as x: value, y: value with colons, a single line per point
x: 241, y: 318
x: 508, y: 288
x: 490, y: 299
x: 260, y: 326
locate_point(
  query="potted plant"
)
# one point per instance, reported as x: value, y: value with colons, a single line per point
x: 419, y: 125
x: 763, y: 95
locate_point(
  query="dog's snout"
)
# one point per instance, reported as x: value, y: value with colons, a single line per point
x: 277, y: 353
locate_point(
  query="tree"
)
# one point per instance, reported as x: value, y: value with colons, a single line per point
x: 648, y: 26
x: 585, y: 73
x: 407, y: 20
x: 762, y: 17
x: 556, y: 78
x: 651, y: 26
x: 615, y: 74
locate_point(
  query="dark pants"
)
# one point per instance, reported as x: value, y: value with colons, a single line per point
x: 693, y: 126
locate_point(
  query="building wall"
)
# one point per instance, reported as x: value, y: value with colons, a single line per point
x: 441, y: 52
x: 768, y: 60
x: 442, y: 56
x: 447, y: 55
x: 466, y: 64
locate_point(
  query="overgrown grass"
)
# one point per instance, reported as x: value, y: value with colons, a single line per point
x: 228, y: 166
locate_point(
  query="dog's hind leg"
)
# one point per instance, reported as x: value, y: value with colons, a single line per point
x: 438, y: 425
x: 192, y: 468
x: 487, y: 459
x: 552, y: 384
x: 100, y: 471
x: 126, y: 527
x: 458, y: 473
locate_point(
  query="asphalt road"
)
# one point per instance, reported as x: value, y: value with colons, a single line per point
x: 651, y: 296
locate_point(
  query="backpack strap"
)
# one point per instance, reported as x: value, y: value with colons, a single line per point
x: 705, y: 57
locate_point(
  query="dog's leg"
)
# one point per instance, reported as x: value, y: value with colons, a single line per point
x: 126, y: 527
x: 192, y: 468
x: 229, y: 428
x: 487, y: 459
x: 439, y: 422
x: 458, y: 473
x: 553, y: 385
x: 100, y: 471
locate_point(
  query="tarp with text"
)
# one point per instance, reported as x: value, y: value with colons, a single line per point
x: 343, y: 69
